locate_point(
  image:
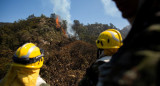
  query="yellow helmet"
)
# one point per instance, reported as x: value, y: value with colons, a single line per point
x: 110, y: 38
x: 28, y: 56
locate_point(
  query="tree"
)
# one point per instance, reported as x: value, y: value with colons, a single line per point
x: 31, y: 16
x: 112, y: 26
x: 43, y: 16
x: 53, y: 15
x: 64, y: 24
x: 77, y: 23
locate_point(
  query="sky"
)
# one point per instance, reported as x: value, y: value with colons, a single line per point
x: 86, y: 11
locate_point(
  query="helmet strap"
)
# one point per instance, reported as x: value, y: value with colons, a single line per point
x: 100, y: 53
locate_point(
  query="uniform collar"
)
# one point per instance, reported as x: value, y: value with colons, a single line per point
x: 104, y: 59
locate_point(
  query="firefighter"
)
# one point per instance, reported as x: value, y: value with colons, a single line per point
x: 24, y: 71
x: 107, y: 43
x: 137, y: 62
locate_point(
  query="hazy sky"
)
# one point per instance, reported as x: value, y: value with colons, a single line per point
x: 86, y: 11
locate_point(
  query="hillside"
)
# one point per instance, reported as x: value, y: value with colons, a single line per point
x: 66, y: 58
x: 124, y: 32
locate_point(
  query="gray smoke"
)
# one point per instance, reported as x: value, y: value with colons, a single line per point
x: 62, y: 8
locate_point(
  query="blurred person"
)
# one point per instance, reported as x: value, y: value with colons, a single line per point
x: 24, y: 71
x: 137, y: 62
x: 108, y: 42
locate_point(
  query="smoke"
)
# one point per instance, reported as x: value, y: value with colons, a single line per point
x: 110, y: 8
x: 62, y: 8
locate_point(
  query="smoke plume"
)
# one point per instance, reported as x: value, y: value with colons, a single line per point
x: 62, y: 8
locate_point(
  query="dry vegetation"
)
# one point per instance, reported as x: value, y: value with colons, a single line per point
x: 66, y: 65
x: 66, y: 59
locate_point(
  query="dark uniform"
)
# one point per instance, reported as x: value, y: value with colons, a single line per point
x: 137, y: 63
x: 92, y: 73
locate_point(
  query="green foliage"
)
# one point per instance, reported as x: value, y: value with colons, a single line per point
x: 53, y: 15
x: 66, y: 59
x: 31, y: 16
x: 61, y: 53
x: 43, y: 16
x: 90, y: 32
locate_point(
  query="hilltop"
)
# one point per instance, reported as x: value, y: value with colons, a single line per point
x: 66, y: 57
